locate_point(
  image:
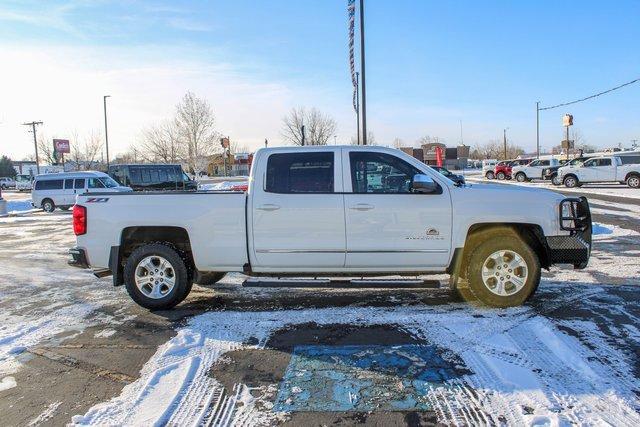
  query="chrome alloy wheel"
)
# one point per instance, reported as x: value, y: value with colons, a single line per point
x: 504, y: 273
x: 155, y: 277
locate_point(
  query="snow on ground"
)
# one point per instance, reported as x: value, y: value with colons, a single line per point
x: 42, y: 298
x: 525, y: 369
x: 603, y: 189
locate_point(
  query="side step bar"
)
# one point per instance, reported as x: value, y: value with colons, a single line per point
x: 344, y: 283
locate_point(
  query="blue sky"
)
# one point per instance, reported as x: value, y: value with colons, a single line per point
x: 430, y: 65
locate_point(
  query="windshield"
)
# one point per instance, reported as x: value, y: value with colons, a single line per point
x: 185, y: 177
x: 23, y: 178
x: 108, y: 182
x: 576, y: 162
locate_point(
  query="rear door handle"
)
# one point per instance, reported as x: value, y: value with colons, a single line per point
x: 362, y: 207
x: 268, y: 207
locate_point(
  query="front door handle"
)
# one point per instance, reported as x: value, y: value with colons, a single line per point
x: 268, y: 207
x: 362, y: 207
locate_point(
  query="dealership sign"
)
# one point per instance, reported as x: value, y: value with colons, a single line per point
x: 61, y: 145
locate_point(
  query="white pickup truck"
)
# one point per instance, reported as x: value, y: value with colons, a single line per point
x: 332, y: 211
x: 533, y: 170
x: 600, y: 169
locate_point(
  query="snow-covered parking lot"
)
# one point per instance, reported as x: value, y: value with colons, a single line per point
x: 75, y: 349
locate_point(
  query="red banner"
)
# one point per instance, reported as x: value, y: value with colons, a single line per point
x: 439, y: 156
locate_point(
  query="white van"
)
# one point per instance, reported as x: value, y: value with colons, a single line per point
x: 60, y: 189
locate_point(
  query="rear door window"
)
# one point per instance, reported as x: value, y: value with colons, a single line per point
x: 299, y: 173
x: 79, y: 184
x: 68, y: 184
x: 50, y: 184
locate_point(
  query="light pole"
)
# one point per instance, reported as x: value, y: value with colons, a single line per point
x: 358, y: 106
x: 106, y: 133
x: 504, y: 139
x: 538, y: 129
x: 35, y: 142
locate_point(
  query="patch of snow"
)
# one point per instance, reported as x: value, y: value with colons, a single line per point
x: 7, y: 383
x: 105, y: 333
x: 45, y: 415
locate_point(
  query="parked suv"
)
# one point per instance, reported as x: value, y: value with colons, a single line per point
x: 487, y: 168
x: 60, y: 189
x: 6, y: 182
x: 533, y: 170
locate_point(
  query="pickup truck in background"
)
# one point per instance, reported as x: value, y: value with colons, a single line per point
x: 332, y: 211
x: 600, y: 169
x: 533, y: 170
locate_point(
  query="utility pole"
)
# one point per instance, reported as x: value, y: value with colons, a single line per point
x: 303, y: 136
x: 266, y: 143
x: 35, y: 142
x: 504, y: 139
x: 538, y: 129
x: 106, y: 134
x: 358, y: 106
x: 364, y: 80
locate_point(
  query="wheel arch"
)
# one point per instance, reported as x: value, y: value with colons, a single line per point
x: 630, y: 174
x: 132, y: 238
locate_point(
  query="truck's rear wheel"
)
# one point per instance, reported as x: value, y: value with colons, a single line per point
x: 501, y: 269
x: 633, y: 181
x: 490, y: 175
x: 156, y: 277
x: 556, y: 180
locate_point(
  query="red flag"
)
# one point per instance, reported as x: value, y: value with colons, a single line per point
x: 439, y: 156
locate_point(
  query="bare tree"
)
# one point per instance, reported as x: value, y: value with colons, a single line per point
x: 430, y: 140
x: 397, y: 143
x: 161, y: 143
x: 371, y: 139
x: 194, y: 122
x: 45, y: 149
x: 319, y: 127
x: 494, y: 149
x: 84, y: 154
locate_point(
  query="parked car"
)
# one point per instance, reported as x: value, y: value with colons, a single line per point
x: 487, y: 168
x: 332, y: 210
x: 503, y: 169
x: 532, y: 170
x: 152, y: 177
x: 601, y: 169
x: 551, y: 173
x: 7, y: 182
x: 458, y: 179
x: 24, y: 182
x: 60, y: 189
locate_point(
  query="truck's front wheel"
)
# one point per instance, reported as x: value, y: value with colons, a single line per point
x: 502, y: 270
x: 156, y: 277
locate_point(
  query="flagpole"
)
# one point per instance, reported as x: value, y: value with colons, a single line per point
x: 362, y: 71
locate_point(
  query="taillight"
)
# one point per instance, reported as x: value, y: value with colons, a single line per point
x: 79, y: 220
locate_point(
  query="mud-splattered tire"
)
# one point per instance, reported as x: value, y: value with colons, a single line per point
x: 508, y: 286
x: 146, y: 295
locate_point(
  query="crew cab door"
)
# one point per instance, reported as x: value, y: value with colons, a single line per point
x: 297, y: 211
x: 388, y: 227
x: 589, y: 171
x: 606, y: 169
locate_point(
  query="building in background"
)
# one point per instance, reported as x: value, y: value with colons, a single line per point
x: 454, y: 158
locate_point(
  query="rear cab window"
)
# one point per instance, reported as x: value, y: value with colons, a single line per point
x: 300, y: 173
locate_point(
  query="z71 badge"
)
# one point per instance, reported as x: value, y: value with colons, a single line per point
x: 431, y: 234
x: 97, y: 200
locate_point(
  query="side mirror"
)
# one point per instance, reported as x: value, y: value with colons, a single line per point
x: 423, y: 184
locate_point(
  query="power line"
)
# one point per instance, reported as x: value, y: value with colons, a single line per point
x: 590, y: 97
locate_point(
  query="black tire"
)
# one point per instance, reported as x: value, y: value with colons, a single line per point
x: 521, y: 177
x: 48, y: 205
x: 210, y: 279
x: 490, y: 175
x: 555, y: 180
x: 183, y: 281
x: 633, y: 181
x: 570, y: 181
x: 501, y: 176
x: 487, y: 243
